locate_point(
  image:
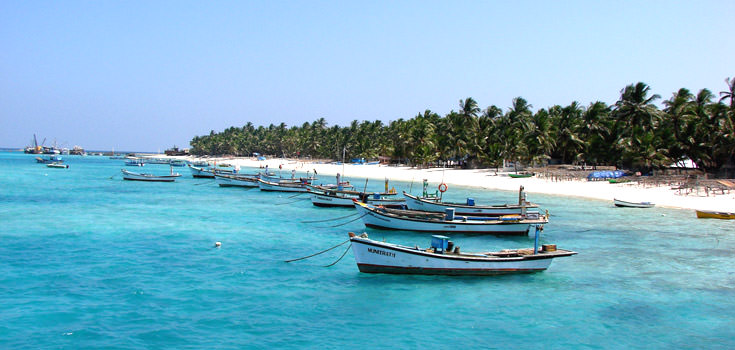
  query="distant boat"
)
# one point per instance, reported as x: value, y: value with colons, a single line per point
x: 134, y: 162
x: 57, y: 165
x: 235, y: 180
x: 335, y: 198
x: 205, y: 172
x: 469, y: 208
x: 520, y: 175
x: 49, y: 159
x: 619, y: 203
x: 706, y: 214
x: 443, y: 258
x: 128, y: 175
x: 423, y: 221
x: 282, y: 186
x: 177, y: 162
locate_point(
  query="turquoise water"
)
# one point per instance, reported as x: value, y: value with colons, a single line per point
x: 90, y: 261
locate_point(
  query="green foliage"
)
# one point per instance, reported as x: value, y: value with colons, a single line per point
x: 633, y: 133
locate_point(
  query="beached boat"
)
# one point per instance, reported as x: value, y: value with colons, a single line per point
x: 626, y: 204
x: 235, y: 180
x: 706, y: 214
x: 423, y: 221
x: 520, y: 175
x: 443, y: 258
x: 128, y: 175
x: 282, y: 186
x: 57, y: 165
x: 334, y: 198
x: 435, y: 204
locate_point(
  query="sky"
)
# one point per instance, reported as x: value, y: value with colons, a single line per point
x: 147, y: 75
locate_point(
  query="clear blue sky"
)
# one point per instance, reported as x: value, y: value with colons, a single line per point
x: 145, y: 75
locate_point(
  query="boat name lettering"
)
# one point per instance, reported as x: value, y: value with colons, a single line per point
x: 381, y: 252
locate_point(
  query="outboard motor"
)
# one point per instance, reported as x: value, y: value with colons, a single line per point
x: 471, y: 202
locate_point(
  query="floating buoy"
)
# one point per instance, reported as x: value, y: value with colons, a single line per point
x: 217, y: 244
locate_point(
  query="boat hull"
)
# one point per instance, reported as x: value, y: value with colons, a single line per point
x: 705, y: 214
x: 281, y: 187
x: 415, y: 203
x: 148, y: 177
x: 324, y: 200
x: 379, y: 257
x: 624, y: 204
x: 499, y: 226
x: 236, y: 181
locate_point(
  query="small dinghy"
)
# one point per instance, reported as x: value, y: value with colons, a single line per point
x: 444, y: 258
x: 58, y: 165
x: 619, y: 203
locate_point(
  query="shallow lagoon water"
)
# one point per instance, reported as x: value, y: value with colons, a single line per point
x: 88, y: 260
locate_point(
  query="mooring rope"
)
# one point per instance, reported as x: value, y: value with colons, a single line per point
x: 358, y: 218
x: 298, y: 194
x: 300, y: 199
x: 332, y: 219
x: 340, y: 258
x: 204, y: 183
x: 315, y: 254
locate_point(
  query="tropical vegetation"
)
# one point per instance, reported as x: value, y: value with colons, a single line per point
x: 634, y: 133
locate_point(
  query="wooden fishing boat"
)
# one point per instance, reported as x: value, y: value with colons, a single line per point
x: 435, y: 204
x: 282, y: 186
x: 58, y: 165
x: 423, y: 221
x: 277, y: 179
x: 443, y: 258
x: 128, y: 175
x: 520, y: 175
x: 706, y: 214
x: 236, y: 180
x: 619, y: 203
x: 335, y: 198
x: 208, y: 173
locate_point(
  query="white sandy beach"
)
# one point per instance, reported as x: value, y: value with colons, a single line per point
x: 487, y: 179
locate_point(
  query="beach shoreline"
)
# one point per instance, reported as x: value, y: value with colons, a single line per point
x: 662, y: 196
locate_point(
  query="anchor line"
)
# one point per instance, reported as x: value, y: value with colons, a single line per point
x: 358, y: 218
x: 315, y: 254
x: 341, y: 217
x: 340, y: 258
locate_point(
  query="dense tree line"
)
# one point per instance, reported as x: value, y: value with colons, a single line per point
x: 633, y: 134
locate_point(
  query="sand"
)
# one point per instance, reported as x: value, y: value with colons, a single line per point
x: 489, y: 179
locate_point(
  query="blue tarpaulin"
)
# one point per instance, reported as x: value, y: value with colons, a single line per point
x: 604, y: 175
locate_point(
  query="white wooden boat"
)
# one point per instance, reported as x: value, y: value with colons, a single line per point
x: 49, y: 159
x: 442, y: 258
x: 340, y: 199
x: 411, y: 220
x: 58, y: 165
x: 282, y: 186
x: 277, y: 179
x: 619, y: 203
x: 234, y: 180
x: 205, y: 172
x: 128, y: 175
x: 469, y: 208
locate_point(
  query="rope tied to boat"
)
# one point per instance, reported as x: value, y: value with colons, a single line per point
x: 345, y: 223
x: 315, y: 254
x: 332, y: 219
x: 340, y: 258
